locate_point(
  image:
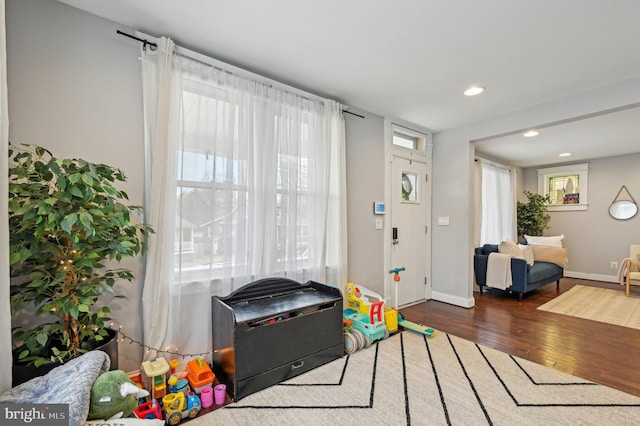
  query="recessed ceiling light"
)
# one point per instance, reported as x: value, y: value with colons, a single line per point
x: 531, y: 133
x: 564, y: 154
x: 474, y: 90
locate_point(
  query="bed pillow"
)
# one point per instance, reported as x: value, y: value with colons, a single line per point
x: 557, y: 255
x: 510, y: 248
x: 555, y: 241
x: 528, y: 253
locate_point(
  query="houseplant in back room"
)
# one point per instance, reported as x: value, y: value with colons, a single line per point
x: 67, y: 220
x: 533, y: 218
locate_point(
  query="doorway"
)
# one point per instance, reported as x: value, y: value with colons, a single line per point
x: 410, y: 210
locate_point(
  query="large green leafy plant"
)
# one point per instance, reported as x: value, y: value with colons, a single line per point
x: 66, y: 220
x: 533, y: 218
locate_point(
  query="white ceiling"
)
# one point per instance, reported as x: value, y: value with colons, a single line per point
x: 605, y: 135
x: 411, y: 59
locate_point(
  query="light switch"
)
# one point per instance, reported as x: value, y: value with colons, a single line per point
x: 443, y: 220
x: 379, y: 223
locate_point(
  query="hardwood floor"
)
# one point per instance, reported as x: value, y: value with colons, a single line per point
x: 599, y: 352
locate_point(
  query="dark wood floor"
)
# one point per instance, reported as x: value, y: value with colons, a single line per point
x: 599, y: 352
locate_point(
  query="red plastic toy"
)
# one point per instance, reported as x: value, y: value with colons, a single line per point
x: 148, y: 410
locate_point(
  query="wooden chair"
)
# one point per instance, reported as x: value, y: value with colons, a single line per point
x: 632, y: 273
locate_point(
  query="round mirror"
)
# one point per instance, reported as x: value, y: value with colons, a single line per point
x: 623, y: 209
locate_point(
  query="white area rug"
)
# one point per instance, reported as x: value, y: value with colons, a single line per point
x: 444, y: 380
x: 597, y: 304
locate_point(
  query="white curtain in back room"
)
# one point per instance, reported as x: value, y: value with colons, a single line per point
x: 497, y: 204
x: 247, y: 181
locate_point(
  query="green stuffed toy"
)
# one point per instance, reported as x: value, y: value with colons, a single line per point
x: 114, y: 395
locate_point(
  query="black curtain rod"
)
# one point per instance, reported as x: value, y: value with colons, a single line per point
x: 144, y: 42
x: 352, y: 113
x: 154, y: 46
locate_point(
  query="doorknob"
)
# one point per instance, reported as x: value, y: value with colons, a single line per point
x: 394, y: 233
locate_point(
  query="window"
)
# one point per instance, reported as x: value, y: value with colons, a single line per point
x: 410, y: 188
x: 255, y: 187
x: 405, y: 138
x: 214, y: 192
x: 405, y: 141
x: 565, y: 187
x: 246, y: 177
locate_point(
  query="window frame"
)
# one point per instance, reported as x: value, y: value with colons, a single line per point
x: 581, y: 170
x: 421, y: 140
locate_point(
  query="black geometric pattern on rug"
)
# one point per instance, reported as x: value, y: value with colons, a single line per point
x: 338, y: 383
x: 344, y: 369
x: 440, y: 393
x: 533, y: 381
x: 473, y: 388
x: 524, y: 404
x: 434, y: 369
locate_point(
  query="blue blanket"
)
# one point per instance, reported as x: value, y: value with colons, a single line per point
x: 68, y: 384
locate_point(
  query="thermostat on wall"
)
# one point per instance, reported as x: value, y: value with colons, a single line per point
x: 378, y: 208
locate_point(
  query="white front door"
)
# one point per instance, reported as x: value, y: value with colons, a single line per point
x: 409, y: 238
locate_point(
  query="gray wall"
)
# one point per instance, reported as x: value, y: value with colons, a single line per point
x: 593, y: 238
x: 365, y: 184
x: 74, y: 88
x: 453, y: 184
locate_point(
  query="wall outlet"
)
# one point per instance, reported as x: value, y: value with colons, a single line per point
x: 614, y: 265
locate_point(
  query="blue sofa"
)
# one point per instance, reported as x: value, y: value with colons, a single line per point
x: 524, y: 277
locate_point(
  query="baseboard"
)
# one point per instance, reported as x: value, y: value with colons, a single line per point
x: 594, y: 277
x: 453, y: 300
x: 470, y: 303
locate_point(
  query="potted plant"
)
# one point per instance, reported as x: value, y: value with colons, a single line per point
x: 66, y: 221
x: 533, y: 218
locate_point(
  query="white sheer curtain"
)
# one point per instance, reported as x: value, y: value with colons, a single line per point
x: 5, y: 310
x: 497, y: 204
x: 160, y: 93
x: 247, y: 182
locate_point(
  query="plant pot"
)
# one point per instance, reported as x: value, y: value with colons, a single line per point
x: 23, y: 373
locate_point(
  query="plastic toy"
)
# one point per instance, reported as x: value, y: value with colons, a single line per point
x: 358, y: 300
x: 220, y: 393
x: 177, y: 384
x: 354, y: 340
x: 350, y: 344
x: 148, y: 410
x: 114, y: 395
x: 199, y: 374
x: 206, y: 397
x: 391, y: 314
x: 350, y: 341
x: 427, y: 331
x: 136, y: 378
x: 156, y: 371
x: 366, y: 316
x: 179, y: 406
